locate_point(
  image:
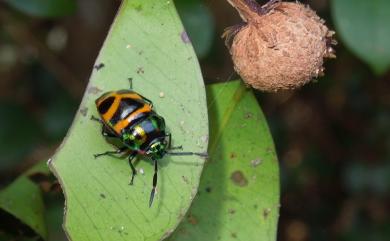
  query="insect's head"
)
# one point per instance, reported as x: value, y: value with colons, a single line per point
x: 157, y: 149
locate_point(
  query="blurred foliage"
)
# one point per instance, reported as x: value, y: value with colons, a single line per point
x: 363, y: 26
x: 371, y: 179
x: 199, y: 24
x: 16, y: 140
x: 23, y: 199
x: 44, y: 8
x: 332, y: 137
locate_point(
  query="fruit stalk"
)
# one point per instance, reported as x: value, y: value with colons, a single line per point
x: 250, y: 9
x: 246, y: 8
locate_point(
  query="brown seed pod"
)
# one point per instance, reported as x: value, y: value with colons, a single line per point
x: 281, y: 45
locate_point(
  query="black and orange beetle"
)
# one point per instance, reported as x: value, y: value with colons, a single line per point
x: 129, y: 117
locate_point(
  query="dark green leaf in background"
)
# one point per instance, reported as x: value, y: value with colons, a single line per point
x: 58, y: 117
x: 44, y: 8
x: 363, y: 26
x: 16, y: 140
x: 199, y: 24
x: 23, y: 199
x: 238, y: 196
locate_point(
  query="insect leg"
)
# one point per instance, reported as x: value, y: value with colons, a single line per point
x: 154, y: 184
x: 133, y: 171
x: 130, y: 82
x: 107, y: 132
x: 118, y: 151
x: 170, y: 147
x: 96, y: 119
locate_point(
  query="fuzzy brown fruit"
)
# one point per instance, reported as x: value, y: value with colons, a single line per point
x: 282, y: 45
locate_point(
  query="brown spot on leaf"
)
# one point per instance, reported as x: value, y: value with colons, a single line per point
x: 239, y: 179
x: 232, y: 211
x: 140, y: 70
x: 102, y: 195
x: 208, y: 189
x: 192, y: 219
x: 138, y: 7
x: 266, y: 212
x: 248, y: 115
x: 256, y: 162
x: 233, y: 155
x: 84, y: 111
x: 234, y: 235
x: 98, y: 66
x: 185, y: 179
x: 93, y: 90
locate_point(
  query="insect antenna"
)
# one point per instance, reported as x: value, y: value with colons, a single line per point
x: 187, y: 154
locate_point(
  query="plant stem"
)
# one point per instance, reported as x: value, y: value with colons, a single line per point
x: 248, y: 9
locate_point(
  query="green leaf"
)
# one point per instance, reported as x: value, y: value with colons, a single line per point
x: 145, y: 44
x: 44, y: 8
x: 363, y: 27
x: 23, y: 199
x: 238, y: 197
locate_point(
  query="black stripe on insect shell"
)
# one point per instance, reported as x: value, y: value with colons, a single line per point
x: 126, y: 107
x: 106, y: 104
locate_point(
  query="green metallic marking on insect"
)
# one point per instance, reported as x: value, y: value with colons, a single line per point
x: 137, y: 145
x: 154, y: 123
x: 127, y: 137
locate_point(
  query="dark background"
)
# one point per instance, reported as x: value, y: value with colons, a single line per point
x: 332, y: 136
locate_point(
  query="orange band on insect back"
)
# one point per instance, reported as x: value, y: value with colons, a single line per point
x: 133, y: 96
x: 110, y: 113
x: 124, y: 123
x: 115, y: 105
